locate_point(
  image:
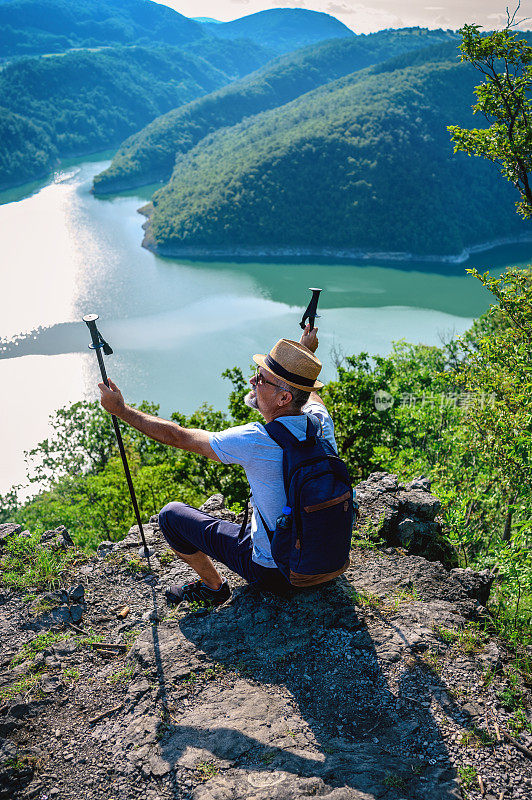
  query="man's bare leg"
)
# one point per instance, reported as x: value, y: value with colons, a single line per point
x: 204, y: 567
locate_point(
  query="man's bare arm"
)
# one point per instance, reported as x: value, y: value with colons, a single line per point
x: 309, y: 339
x: 194, y: 440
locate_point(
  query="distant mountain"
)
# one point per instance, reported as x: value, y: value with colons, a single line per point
x: 207, y: 19
x: 362, y: 164
x: 30, y: 27
x: 282, y: 29
x: 150, y: 154
x: 82, y: 102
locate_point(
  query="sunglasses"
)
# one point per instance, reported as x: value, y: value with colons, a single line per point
x: 260, y: 379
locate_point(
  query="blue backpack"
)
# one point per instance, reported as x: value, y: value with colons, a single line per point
x: 311, y: 545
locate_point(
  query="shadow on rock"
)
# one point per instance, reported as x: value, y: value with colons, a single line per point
x: 276, y: 699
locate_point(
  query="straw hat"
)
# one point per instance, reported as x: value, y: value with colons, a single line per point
x: 293, y: 363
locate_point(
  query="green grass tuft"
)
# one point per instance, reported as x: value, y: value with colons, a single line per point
x: 39, y: 643
x: 27, y: 563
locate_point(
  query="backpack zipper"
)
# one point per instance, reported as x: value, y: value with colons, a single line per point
x: 315, y: 460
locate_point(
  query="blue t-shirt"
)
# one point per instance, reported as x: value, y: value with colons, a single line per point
x: 251, y: 447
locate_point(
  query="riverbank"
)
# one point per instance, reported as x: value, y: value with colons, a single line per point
x: 341, y: 254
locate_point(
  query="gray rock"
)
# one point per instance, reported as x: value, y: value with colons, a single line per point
x: 138, y: 689
x: 19, y: 710
x: 62, y: 595
x: 405, y: 516
x: 321, y: 694
x: 105, y: 548
x: 473, y: 709
x: 420, y: 504
x: 65, y: 534
x: 476, y: 584
x: 15, y: 771
x: 51, y: 684
x: 8, y: 529
x: 151, y: 616
x: 76, y: 613
x: 64, y: 649
x: 215, y: 506
x: 134, y: 539
x: 421, y: 483
x: 76, y: 594
x: 59, y: 616
x: 57, y: 539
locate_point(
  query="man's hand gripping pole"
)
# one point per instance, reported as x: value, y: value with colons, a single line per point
x: 98, y: 343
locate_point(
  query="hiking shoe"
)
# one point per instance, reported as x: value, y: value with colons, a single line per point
x: 198, y: 592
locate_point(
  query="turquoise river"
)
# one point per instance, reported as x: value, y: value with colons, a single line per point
x: 176, y: 325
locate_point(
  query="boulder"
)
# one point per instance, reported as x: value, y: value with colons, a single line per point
x: 57, y: 539
x: 404, y: 515
x: 215, y: 506
x: 476, y: 584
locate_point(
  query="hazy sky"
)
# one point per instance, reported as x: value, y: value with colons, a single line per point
x: 364, y: 17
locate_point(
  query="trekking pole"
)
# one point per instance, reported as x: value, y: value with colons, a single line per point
x: 312, y: 308
x: 98, y: 343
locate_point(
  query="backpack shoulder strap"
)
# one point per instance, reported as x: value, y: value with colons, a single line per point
x: 269, y: 533
x: 280, y: 434
x: 284, y: 438
x: 245, y: 521
x: 314, y: 427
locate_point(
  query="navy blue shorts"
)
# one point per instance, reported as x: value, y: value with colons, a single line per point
x: 188, y: 531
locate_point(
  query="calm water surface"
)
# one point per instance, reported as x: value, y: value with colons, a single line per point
x: 176, y: 325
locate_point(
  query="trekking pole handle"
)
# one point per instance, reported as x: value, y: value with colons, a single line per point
x: 98, y: 343
x: 90, y: 320
x: 311, y: 310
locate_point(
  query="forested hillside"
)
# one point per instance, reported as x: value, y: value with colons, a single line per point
x: 26, y: 149
x: 30, y: 27
x: 149, y: 155
x: 88, y: 101
x: 34, y: 27
x: 361, y: 164
x: 281, y: 29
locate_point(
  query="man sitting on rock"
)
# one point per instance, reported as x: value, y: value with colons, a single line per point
x: 283, y: 388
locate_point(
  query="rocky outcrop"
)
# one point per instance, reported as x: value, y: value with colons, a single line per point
x: 373, y: 686
x: 404, y: 515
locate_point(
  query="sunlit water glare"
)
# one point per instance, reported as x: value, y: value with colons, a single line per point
x: 174, y: 325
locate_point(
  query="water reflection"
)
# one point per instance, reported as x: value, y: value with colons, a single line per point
x: 176, y: 325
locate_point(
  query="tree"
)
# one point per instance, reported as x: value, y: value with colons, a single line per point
x: 498, y: 372
x: 505, y: 60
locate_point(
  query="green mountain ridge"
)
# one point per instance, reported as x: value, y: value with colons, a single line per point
x: 363, y: 163
x: 85, y: 102
x: 39, y: 27
x: 150, y: 154
x: 43, y: 26
x: 281, y: 29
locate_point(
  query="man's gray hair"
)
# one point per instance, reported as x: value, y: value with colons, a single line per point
x: 299, y: 396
